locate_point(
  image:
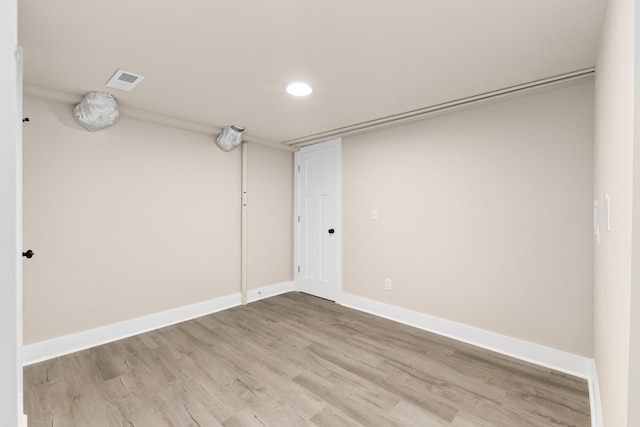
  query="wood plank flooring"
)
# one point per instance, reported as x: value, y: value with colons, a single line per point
x: 297, y: 360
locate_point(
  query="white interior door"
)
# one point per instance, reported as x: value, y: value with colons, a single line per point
x: 319, y: 220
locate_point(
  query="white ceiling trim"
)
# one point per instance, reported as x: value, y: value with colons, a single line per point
x: 440, y: 108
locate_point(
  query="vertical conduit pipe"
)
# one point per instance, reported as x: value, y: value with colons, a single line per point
x: 243, y: 228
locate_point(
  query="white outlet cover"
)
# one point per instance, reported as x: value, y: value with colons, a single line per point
x: 595, y: 217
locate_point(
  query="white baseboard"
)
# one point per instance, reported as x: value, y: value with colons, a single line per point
x: 558, y: 360
x: 67, y: 344
x: 540, y: 355
x: 544, y: 356
x: 269, y: 291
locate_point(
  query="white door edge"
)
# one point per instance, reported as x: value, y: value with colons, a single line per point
x: 296, y: 220
x: 19, y: 243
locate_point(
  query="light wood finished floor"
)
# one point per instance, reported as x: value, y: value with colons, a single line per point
x: 297, y: 360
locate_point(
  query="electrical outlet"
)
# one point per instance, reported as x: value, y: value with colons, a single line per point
x: 387, y: 284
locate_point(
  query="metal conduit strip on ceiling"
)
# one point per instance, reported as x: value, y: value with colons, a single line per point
x: 439, y: 108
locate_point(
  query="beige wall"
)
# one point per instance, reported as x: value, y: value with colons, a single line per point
x: 270, y: 216
x: 614, y: 172
x: 125, y: 222
x: 484, y: 216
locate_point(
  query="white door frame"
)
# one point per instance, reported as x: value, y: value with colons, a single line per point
x: 296, y: 211
x: 10, y: 219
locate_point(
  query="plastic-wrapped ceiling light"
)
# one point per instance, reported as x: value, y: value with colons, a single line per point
x: 96, y: 111
x: 230, y: 137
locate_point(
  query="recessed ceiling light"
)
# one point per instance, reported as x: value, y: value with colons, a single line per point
x: 299, y: 89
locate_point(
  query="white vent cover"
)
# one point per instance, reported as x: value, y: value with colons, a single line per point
x: 125, y: 80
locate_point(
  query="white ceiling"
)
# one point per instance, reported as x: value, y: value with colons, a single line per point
x: 227, y: 62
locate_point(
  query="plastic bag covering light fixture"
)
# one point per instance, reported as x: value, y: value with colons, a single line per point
x: 230, y: 137
x: 96, y: 111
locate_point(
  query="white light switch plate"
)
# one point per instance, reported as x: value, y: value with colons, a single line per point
x: 374, y: 214
x: 607, y: 212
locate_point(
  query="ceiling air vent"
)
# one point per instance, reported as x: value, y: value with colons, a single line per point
x: 125, y: 80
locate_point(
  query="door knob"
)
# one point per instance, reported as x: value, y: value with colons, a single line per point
x: 331, y: 231
x: 28, y: 254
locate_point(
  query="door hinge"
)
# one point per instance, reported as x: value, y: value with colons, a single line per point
x: 298, y: 168
x: 298, y: 269
x: 298, y: 218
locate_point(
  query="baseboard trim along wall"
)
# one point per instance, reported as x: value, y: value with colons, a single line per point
x: 269, y: 291
x: 49, y: 349
x: 558, y: 360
